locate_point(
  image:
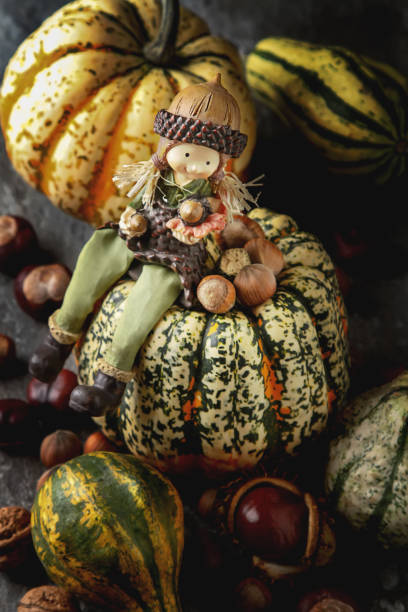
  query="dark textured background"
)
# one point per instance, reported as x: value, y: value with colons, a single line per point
x: 295, y: 183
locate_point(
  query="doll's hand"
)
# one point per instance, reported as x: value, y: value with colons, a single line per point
x: 132, y: 223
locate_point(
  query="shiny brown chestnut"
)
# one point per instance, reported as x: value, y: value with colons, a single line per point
x: 18, y: 241
x: 272, y: 522
x: 59, y: 447
x: 252, y: 595
x: 16, y: 423
x: 39, y: 290
x: 327, y: 600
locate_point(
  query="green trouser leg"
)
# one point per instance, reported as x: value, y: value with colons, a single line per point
x: 154, y: 292
x: 102, y: 261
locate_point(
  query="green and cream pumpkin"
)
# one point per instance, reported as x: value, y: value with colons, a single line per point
x: 80, y: 95
x: 220, y: 391
x: 367, y: 472
x: 109, y: 529
x: 353, y: 109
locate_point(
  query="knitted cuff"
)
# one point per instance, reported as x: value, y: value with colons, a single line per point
x: 110, y: 370
x: 59, y: 334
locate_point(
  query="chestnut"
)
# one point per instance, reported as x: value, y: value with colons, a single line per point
x: 39, y: 290
x: 59, y: 446
x: 16, y: 423
x: 45, y: 475
x: 7, y: 355
x: 97, y: 441
x: 272, y: 522
x: 350, y: 244
x: 18, y: 241
x: 326, y: 600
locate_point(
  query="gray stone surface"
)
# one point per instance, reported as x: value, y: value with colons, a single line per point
x: 378, y: 307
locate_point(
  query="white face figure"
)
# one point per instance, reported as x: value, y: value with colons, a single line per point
x: 191, y: 161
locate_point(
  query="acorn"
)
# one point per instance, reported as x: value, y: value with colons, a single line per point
x: 265, y: 252
x: 59, y: 447
x: 255, y: 284
x: 216, y: 294
x: 39, y: 290
x: 272, y: 519
x: 18, y: 242
x: 191, y: 211
x: 239, y: 231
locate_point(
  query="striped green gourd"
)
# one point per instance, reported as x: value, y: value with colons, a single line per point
x: 367, y: 472
x: 353, y: 109
x: 219, y: 391
x: 110, y: 530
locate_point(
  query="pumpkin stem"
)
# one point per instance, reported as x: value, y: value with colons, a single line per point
x: 160, y: 51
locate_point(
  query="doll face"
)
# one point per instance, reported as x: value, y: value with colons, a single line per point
x: 193, y: 161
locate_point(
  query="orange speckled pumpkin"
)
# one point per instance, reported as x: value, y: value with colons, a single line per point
x: 80, y: 95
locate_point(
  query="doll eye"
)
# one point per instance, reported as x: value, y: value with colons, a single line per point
x: 187, y: 154
x: 208, y: 163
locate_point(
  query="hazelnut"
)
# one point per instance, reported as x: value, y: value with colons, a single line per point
x: 39, y: 290
x: 7, y: 355
x: 239, y: 231
x: 216, y: 293
x: 265, y: 252
x: 47, y: 598
x: 15, y: 536
x: 132, y: 224
x: 97, y: 441
x: 59, y: 447
x: 233, y: 260
x: 253, y: 595
x: 191, y: 211
x: 18, y: 241
x: 255, y: 284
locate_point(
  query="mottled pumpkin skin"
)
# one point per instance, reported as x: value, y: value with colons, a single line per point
x: 367, y: 472
x: 79, y: 99
x: 218, y: 391
x: 109, y: 529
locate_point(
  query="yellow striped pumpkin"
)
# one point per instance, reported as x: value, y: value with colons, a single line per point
x: 80, y: 95
x: 353, y: 109
x: 220, y: 391
x: 109, y: 529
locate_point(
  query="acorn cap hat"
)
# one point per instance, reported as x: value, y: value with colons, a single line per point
x: 205, y: 114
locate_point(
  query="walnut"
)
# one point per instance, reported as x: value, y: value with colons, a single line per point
x: 47, y: 598
x: 15, y: 536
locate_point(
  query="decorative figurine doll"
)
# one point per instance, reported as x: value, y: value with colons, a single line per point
x: 179, y: 196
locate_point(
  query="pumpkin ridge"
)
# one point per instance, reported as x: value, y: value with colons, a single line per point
x: 341, y: 477
x: 371, y: 84
x: 101, y: 184
x: 296, y: 294
x: 26, y: 79
x: 381, y: 507
x: 380, y: 70
x: 48, y: 146
x: 172, y: 81
x: 385, y: 398
x: 138, y: 18
x: 192, y: 40
x: 313, y: 82
x: 325, y: 133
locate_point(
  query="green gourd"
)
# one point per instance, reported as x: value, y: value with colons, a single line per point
x: 110, y: 530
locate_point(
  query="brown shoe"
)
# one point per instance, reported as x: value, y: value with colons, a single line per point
x: 105, y: 393
x: 49, y: 358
